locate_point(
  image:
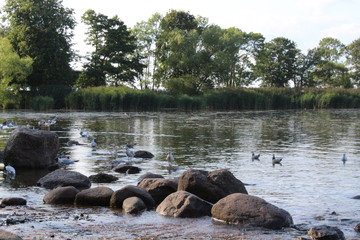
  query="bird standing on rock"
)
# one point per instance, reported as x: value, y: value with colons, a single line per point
x: 276, y: 161
x: 130, y: 154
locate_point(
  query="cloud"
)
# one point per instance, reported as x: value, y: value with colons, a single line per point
x: 348, y: 32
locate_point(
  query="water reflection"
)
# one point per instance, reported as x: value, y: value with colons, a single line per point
x: 311, y: 181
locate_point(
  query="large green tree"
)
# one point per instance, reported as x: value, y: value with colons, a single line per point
x: 331, y: 70
x: 354, y: 60
x: 276, y: 62
x: 42, y: 29
x: 146, y: 33
x: 13, y: 73
x: 114, y: 60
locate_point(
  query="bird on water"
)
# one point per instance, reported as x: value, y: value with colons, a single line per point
x: 344, y: 159
x: 255, y: 156
x: 276, y: 160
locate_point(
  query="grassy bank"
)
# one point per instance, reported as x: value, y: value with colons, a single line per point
x: 126, y: 99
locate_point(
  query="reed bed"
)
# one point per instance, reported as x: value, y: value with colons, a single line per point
x: 127, y: 99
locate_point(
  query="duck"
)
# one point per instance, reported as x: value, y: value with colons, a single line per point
x: 344, y: 158
x: 276, y: 161
x: 255, y: 156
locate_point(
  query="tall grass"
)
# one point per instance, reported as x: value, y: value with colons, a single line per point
x: 127, y: 99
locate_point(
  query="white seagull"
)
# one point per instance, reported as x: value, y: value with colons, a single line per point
x: 170, y: 157
x: 130, y: 154
x: 344, y: 159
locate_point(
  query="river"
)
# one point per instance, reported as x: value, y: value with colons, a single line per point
x: 312, y: 184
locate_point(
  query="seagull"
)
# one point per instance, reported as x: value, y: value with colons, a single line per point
x: 64, y: 160
x: 255, y: 157
x: 93, y: 143
x: 170, y: 157
x: 276, y: 161
x: 10, y: 172
x: 83, y: 134
x: 344, y: 159
x: 129, y: 153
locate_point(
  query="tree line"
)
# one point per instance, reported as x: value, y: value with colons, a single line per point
x: 178, y: 53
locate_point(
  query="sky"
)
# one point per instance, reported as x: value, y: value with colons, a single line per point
x: 305, y: 22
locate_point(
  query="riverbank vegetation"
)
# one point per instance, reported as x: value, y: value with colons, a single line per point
x: 176, y: 61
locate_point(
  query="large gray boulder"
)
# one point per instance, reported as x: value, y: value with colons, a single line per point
x: 324, y: 232
x: 98, y: 196
x: 250, y: 211
x: 119, y: 196
x: 31, y: 149
x: 159, y: 188
x: 183, y: 204
x: 61, y: 195
x: 210, y: 186
x: 62, y: 178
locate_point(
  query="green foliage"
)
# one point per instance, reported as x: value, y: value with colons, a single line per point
x: 42, y: 103
x: 114, y: 60
x: 42, y: 29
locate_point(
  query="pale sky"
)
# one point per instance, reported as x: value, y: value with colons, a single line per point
x: 305, y: 22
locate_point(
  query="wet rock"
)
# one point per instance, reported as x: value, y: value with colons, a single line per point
x: 31, y: 149
x: 250, y: 211
x: 159, y: 188
x: 356, y: 197
x: 183, y: 204
x: 5, y: 235
x: 102, y: 178
x: 98, y: 196
x: 128, y: 169
x: 149, y: 175
x: 133, y: 205
x: 62, y: 178
x: 325, y: 232
x: 143, y: 154
x: 119, y: 196
x: 1, y: 156
x: 61, y: 195
x: 357, y: 228
x: 210, y: 186
x: 13, y: 201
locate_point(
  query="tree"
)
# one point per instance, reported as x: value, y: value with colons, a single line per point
x: 354, y: 60
x: 13, y: 73
x: 305, y: 68
x: 146, y: 33
x: 276, y: 62
x: 114, y: 59
x: 42, y: 29
x: 331, y: 71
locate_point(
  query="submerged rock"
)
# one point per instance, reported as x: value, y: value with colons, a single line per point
x: 99, y: 196
x: 31, y: 149
x: 128, y: 169
x: 103, y: 178
x: 62, y: 178
x: 5, y: 235
x: 149, y: 175
x: 250, y: 211
x: 210, y: 186
x: 324, y: 232
x: 119, y: 196
x: 61, y: 195
x: 159, y: 188
x: 183, y: 204
x: 133, y: 205
x: 143, y: 154
x: 13, y: 201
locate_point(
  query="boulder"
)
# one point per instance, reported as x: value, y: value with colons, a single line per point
x: 250, y: 211
x: 62, y: 178
x: 61, y: 195
x: 98, y: 196
x: 13, y: 201
x: 357, y: 228
x: 133, y: 205
x: 119, y: 196
x: 210, y: 186
x: 31, y: 149
x: 143, y: 154
x: 1, y: 156
x: 159, y: 188
x: 183, y: 204
x: 5, y: 235
x: 102, y: 178
x: 149, y: 175
x: 324, y: 232
x: 128, y: 169
x: 356, y: 197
